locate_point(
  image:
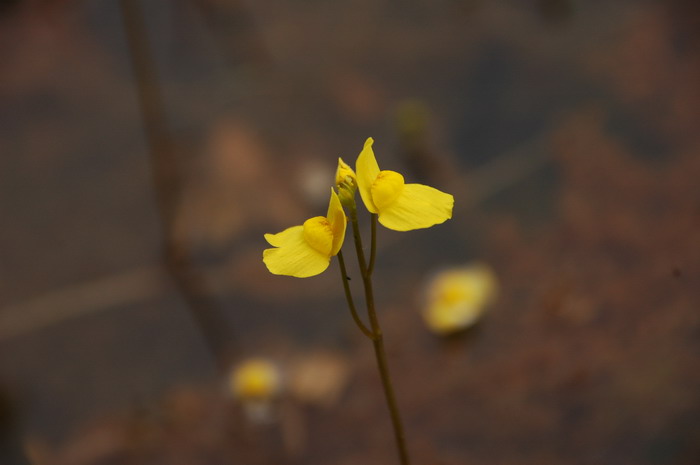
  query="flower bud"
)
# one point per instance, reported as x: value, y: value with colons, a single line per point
x: 346, y: 182
x: 345, y: 175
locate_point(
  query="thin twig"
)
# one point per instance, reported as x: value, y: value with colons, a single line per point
x: 166, y: 183
x: 137, y: 285
x: 373, y: 243
x: 348, y: 296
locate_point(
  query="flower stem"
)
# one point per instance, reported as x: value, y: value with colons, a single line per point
x: 373, y: 244
x: 378, y: 339
x: 348, y: 296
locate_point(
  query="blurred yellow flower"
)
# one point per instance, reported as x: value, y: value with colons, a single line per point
x: 255, y: 379
x: 401, y: 207
x: 457, y: 297
x: 306, y: 250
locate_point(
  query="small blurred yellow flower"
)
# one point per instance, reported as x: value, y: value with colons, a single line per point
x: 401, y: 207
x: 255, y: 379
x: 306, y: 250
x: 456, y: 298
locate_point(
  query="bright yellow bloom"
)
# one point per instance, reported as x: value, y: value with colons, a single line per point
x: 401, y: 207
x: 456, y: 298
x: 306, y: 250
x: 255, y: 380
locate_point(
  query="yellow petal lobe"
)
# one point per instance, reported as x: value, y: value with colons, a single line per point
x: 417, y: 207
x: 293, y: 255
x: 338, y: 222
x: 367, y: 170
x: 386, y: 188
x: 318, y: 234
x: 280, y: 238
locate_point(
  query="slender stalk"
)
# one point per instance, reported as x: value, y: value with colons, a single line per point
x: 378, y: 340
x: 380, y: 354
x: 373, y: 244
x: 348, y: 296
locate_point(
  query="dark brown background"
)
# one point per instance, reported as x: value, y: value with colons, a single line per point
x: 567, y: 130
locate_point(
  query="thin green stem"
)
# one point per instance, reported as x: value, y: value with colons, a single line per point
x: 373, y: 243
x: 348, y: 296
x: 380, y: 354
x: 358, y: 243
x: 378, y: 340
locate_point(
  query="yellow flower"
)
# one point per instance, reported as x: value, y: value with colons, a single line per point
x: 306, y: 250
x: 401, y: 207
x: 255, y: 379
x: 456, y: 298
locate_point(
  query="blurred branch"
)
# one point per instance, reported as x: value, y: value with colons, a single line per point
x: 487, y: 180
x: 52, y: 308
x: 167, y: 182
x: 504, y: 171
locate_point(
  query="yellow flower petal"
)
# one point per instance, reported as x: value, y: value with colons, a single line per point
x: 338, y: 221
x: 386, y: 188
x: 293, y: 256
x: 276, y: 240
x: 367, y: 170
x: 442, y: 319
x: 417, y: 207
